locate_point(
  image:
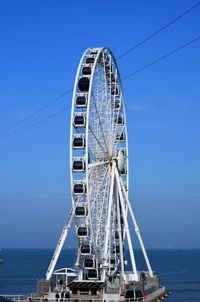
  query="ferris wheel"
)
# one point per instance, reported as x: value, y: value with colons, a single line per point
x: 99, y: 172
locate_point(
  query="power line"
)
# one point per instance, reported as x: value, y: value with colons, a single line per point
x: 37, y: 123
x: 36, y: 112
x: 123, y: 79
x: 121, y: 56
x: 158, y: 31
x: 161, y: 58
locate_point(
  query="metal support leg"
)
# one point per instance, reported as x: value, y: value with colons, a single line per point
x: 126, y: 227
x: 59, y: 245
x: 120, y: 236
x: 137, y: 231
x: 109, y: 214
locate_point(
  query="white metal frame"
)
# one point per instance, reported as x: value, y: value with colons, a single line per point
x: 107, y: 190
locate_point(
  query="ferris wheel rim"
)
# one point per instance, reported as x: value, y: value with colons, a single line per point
x: 117, y: 188
x: 100, y: 51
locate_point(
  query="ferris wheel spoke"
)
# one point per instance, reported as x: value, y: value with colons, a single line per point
x: 99, y: 119
x: 98, y: 141
x: 100, y: 224
x: 91, y: 152
x: 95, y: 199
x: 100, y: 185
x: 96, y: 164
x: 95, y: 170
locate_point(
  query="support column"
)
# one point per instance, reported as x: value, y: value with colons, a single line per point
x: 137, y: 231
x: 120, y: 236
x: 59, y: 246
x: 126, y: 227
x: 109, y: 214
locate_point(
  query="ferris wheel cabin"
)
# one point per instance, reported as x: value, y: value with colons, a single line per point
x: 79, y: 188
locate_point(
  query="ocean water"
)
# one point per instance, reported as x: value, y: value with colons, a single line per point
x: 179, y: 270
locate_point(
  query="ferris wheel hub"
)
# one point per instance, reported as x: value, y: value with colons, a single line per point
x: 120, y: 161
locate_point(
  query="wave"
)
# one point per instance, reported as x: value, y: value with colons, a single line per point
x: 181, y: 281
x: 185, y: 290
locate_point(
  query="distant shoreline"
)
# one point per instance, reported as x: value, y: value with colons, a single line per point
x: 74, y: 248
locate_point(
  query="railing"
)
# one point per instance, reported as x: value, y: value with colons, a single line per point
x: 142, y: 299
x: 18, y: 298
x: 15, y: 298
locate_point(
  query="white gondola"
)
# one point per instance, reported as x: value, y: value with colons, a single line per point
x: 93, y: 274
x: 78, y: 141
x: 114, y: 261
x: 79, y: 120
x: 117, y: 104
x: 116, y: 248
x: 78, y: 164
x: 79, y: 188
x: 94, y: 51
x: 124, y: 171
x: 89, y: 263
x: 90, y: 60
x: 81, y: 100
x: 86, y: 70
x: 114, y: 90
x: 120, y: 136
x: 85, y: 249
x: 116, y: 235
x: 112, y: 78
x: 83, y: 231
x: 84, y: 84
x: 119, y: 120
x: 81, y: 211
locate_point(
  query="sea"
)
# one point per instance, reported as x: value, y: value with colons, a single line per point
x: 179, y: 270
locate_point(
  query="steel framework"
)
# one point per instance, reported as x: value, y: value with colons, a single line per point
x: 99, y: 172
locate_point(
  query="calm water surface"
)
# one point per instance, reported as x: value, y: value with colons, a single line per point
x: 179, y: 270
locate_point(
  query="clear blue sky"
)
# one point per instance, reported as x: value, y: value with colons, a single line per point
x: 41, y: 44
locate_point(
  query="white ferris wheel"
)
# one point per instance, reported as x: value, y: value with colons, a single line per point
x: 99, y: 173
